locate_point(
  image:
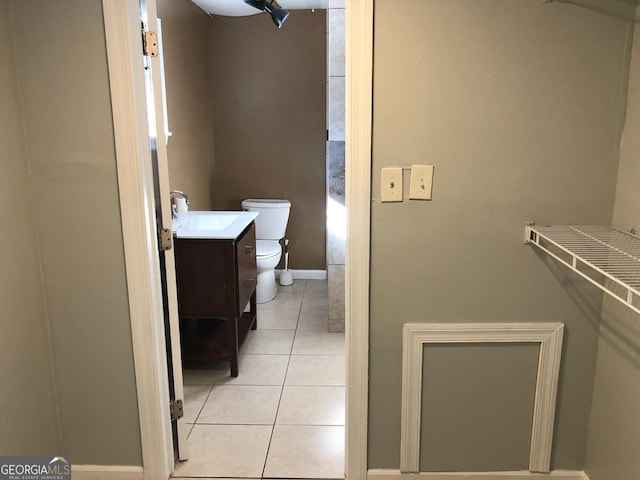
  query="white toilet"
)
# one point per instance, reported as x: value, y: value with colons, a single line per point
x: 271, y: 225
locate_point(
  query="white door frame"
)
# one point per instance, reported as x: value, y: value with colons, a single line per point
x: 359, y: 90
x: 135, y: 183
x: 163, y: 180
x: 135, y: 179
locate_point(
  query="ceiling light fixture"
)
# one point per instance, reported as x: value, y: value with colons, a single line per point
x: 278, y: 15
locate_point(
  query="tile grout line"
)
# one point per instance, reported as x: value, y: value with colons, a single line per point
x: 284, y: 381
x: 195, y: 422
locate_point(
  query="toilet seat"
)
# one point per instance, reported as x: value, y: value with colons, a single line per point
x: 267, y: 248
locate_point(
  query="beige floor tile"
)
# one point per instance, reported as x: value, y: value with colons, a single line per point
x: 318, y: 343
x: 315, y: 301
x: 283, y: 301
x: 239, y: 413
x: 268, y: 342
x: 313, y: 320
x: 278, y: 319
x: 194, y: 398
x: 309, y: 406
x: 297, y: 287
x: 305, y: 309
x: 317, y: 286
x: 241, y: 405
x: 316, y: 370
x: 226, y: 450
x: 306, y: 452
x: 258, y: 370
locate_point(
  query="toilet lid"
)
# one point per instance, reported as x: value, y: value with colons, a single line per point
x: 267, y: 248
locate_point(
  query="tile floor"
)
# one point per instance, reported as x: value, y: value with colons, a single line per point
x: 283, y: 416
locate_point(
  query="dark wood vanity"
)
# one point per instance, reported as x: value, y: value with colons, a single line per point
x: 216, y: 279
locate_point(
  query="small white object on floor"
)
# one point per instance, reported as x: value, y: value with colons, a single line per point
x: 286, y: 278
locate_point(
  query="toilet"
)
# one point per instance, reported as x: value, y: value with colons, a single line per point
x: 271, y: 225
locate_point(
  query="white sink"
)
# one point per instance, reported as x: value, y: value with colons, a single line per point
x: 213, y: 225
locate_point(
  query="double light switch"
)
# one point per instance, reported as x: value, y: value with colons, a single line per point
x: 420, y: 183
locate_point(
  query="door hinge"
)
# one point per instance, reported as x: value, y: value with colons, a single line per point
x: 165, y: 236
x: 150, y: 43
x: 176, y: 409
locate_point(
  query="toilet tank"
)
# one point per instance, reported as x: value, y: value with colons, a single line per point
x: 273, y: 215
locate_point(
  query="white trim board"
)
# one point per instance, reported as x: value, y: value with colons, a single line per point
x: 135, y: 183
x: 358, y: 128
x: 306, y: 274
x: 553, y: 475
x: 106, y: 472
x: 416, y: 335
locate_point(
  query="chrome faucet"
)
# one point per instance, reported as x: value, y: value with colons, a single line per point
x: 178, y: 193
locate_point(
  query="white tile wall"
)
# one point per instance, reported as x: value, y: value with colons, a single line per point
x: 336, y: 108
x: 335, y: 274
x: 336, y: 125
x: 336, y: 53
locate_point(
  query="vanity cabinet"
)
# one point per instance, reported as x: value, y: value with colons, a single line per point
x: 216, y: 279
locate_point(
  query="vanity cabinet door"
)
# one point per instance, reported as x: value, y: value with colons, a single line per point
x: 204, y: 271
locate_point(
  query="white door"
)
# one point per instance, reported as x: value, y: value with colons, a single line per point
x: 157, y: 134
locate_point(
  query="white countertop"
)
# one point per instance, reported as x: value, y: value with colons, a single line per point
x: 212, y: 225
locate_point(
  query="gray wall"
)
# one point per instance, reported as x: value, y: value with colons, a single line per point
x: 190, y: 151
x: 28, y: 419
x: 614, y: 433
x: 489, y: 401
x: 519, y: 106
x: 66, y: 109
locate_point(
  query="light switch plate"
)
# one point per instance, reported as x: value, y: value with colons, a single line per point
x: 421, y: 182
x: 391, y: 184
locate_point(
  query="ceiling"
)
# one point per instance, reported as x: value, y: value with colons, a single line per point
x: 237, y: 8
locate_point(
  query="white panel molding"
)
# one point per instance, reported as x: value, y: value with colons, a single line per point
x: 106, y: 472
x: 135, y: 182
x: 553, y: 475
x: 358, y: 127
x: 416, y: 335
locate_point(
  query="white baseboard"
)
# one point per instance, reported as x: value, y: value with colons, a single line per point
x: 306, y: 274
x: 554, y: 475
x: 106, y: 472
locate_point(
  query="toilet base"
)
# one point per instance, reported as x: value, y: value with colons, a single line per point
x: 266, y: 289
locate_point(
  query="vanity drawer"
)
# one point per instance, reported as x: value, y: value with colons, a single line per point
x: 247, y: 270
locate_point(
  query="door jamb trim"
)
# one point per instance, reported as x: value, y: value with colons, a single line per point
x: 135, y: 183
x: 359, y: 90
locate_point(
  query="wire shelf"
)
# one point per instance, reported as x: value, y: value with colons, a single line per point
x: 606, y: 256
